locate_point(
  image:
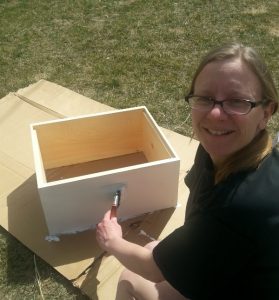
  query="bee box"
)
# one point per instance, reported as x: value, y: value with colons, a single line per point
x: 81, y: 162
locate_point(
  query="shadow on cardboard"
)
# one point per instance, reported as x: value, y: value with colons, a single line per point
x: 140, y: 230
x: 26, y: 223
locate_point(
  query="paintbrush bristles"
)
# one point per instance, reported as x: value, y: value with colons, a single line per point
x: 116, y: 199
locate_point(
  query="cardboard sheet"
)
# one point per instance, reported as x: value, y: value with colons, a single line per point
x: 77, y: 257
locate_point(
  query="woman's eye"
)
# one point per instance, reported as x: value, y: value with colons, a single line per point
x: 237, y: 103
x: 201, y: 100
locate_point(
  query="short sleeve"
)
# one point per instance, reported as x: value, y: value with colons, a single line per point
x: 201, y: 162
x: 200, y: 258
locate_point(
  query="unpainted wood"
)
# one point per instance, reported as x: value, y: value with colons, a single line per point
x: 85, y: 139
x: 154, y: 146
x: 38, y: 161
x: 95, y: 166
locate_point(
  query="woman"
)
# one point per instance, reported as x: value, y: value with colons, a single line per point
x: 228, y: 247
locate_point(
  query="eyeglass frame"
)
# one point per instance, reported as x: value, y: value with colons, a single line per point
x: 252, y: 103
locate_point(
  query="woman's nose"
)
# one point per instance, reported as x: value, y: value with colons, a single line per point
x: 217, y: 112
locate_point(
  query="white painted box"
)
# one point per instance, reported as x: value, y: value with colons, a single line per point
x: 82, y: 161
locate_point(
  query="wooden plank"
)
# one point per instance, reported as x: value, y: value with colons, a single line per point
x: 85, y: 139
x: 87, y: 198
x: 95, y: 166
x: 155, y: 147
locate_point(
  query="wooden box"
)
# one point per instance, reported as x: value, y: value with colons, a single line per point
x: 82, y: 161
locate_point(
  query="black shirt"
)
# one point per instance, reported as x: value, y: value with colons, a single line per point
x: 228, y: 247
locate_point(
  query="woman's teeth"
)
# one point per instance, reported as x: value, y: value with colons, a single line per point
x: 219, y: 132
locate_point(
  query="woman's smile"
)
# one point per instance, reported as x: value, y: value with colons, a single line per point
x: 218, y: 132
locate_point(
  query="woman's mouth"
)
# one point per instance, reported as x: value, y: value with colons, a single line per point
x: 218, y: 132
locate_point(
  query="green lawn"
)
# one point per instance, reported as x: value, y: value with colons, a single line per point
x: 124, y: 54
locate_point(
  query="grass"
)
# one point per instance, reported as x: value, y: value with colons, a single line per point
x: 121, y: 53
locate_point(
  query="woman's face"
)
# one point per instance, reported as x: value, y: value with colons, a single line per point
x: 219, y: 133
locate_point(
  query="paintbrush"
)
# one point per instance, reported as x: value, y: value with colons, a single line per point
x: 115, y: 204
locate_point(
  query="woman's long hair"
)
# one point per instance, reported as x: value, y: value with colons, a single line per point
x: 247, y: 158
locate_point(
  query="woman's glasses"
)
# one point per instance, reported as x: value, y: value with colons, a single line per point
x: 230, y: 106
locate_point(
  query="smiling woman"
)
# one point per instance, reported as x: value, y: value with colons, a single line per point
x: 228, y: 246
x: 222, y: 133
x: 229, y: 73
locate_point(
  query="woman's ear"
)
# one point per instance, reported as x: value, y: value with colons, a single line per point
x: 268, y: 111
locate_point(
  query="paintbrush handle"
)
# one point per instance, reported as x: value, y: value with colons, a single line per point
x: 113, y: 212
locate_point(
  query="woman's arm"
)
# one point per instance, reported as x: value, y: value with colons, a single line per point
x: 134, y: 257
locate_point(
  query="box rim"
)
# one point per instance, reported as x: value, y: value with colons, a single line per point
x: 41, y: 177
x: 106, y: 173
x: 143, y: 108
x: 84, y: 116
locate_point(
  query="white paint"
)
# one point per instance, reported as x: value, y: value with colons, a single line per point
x: 52, y: 238
x: 142, y: 232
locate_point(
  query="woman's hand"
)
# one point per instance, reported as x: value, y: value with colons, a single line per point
x: 108, y: 231
x: 134, y: 257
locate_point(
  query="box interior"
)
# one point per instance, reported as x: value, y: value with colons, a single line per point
x: 82, y: 146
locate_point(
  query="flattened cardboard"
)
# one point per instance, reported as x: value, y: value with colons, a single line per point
x: 51, y: 97
x: 21, y: 213
x: 77, y: 257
